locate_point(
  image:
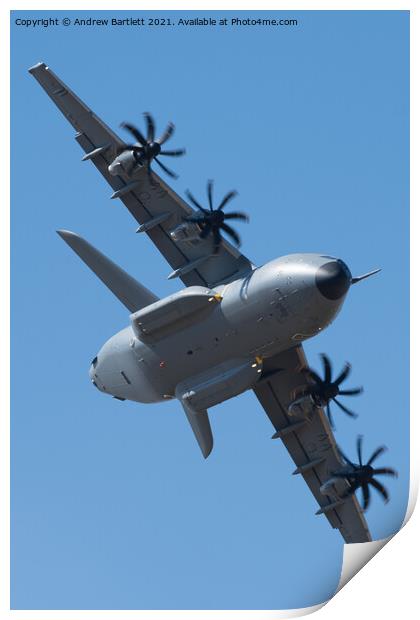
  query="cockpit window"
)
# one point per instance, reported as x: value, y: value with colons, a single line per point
x: 95, y: 361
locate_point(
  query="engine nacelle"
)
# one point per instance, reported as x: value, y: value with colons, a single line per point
x: 124, y: 164
x: 187, y: 231
x: 336, y: 486
x: 303, y: 407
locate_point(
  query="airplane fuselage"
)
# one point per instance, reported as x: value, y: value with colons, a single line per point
x: 276, y: 306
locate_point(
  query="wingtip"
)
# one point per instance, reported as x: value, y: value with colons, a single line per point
x: 67, y: 234
x: 38, y: 65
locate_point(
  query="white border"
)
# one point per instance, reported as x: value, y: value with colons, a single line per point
x: 387, y: 587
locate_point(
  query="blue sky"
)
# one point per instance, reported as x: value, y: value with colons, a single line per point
x: 113, y: 506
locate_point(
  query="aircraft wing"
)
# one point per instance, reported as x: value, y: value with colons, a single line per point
x: 309, y: 440
x: 155, y: 206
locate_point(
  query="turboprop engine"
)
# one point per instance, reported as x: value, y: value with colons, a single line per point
x: 124, y: 164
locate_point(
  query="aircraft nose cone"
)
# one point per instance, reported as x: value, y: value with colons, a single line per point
x: 333, y: 279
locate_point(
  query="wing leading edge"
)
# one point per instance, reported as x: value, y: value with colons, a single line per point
x: 310, y: 441
x: 155, y: 206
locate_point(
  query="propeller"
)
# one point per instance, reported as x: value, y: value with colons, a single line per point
x: 362, y: 476
x: 323, y: 391
x: 150, y: 148
x: 212, y: 220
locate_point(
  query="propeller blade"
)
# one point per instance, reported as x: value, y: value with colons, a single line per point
x: 167, y: 170
x: 364, y: 276
x: 344, y: 457
x: 343, y: 408
x: 343, y: 374
x: 135, y: 132
x: 194, y: 201
x: 227, y: 199
x: 313, y: 375
x: 330, y: 416
x: 150, y: 127
x: 327, y: 368
x: 137, y: 154
x: 352, y: 489
x: 196, y: 217
x: 351, y: 392
x: 377, y: 453
x: 366, y: 496
x: 380, y: 487
x: 174, y: 153
x: 206, y: 231
x: 387, y: 471
x: 149, y: 173
x: 232, y: 233
x: 303, y: 390
x: 210, y: 194
x: 237, y: 215
x: 341, y: 474
x: 217, y: 239
x: 359, y: 449
x: 166, y: 134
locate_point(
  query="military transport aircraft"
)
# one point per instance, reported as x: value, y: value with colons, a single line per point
x: 232, y: 328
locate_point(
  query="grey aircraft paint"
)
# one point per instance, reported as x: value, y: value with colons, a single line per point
x: 234, y: 327
x: 179, y: 347
x: 272, y: 309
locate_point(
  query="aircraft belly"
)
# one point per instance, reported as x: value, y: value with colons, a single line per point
x: 194, y: 350
x: 261, y: 315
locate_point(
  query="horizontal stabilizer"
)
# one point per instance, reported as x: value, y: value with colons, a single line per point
x: 131, y: 293
x: 200, y: 425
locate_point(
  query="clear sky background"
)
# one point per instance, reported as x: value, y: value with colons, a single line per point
x: 113, y: 506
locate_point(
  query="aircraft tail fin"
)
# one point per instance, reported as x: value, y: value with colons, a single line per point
x: 131, y: 293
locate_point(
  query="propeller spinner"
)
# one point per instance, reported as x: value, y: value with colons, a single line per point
x: 362, y: 476
x: 148, y: 149
x: 212, y: 220
x: 323, y: 391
